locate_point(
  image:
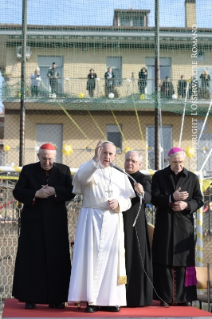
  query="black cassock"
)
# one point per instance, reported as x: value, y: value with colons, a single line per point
x: 42, y: 269
x: 173, y: 242
x: 139, y: 289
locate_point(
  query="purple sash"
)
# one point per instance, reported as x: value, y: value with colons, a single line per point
x: 190, y: 276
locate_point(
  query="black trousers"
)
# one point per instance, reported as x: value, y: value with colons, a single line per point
x: 54, y: 85
x: 34, y: 91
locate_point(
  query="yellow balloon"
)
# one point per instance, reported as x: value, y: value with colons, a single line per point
x: 67, y: 149
x: 127, y: 149
x: 142, y: 96
x: 81, y: 95
x: 190, y: 151
x: 7, y: 148
x: 206, y: 183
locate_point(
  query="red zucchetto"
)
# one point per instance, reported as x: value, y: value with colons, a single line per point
x: 48, y: 146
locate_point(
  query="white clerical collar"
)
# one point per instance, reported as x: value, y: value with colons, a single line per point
x: 103, y: 167
x: 176, y: 173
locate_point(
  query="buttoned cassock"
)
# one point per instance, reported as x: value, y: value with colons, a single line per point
x: 43, y: 266
x: 138, y: 249
x: 99, y: 242
x: 173, y: 240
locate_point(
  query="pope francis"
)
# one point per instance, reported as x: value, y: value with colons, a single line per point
x: 98, y: 269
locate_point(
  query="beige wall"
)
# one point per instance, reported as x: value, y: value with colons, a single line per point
x: 74, y: 137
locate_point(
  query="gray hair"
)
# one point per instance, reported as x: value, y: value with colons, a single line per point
x: 134, y: 151
x: 109, y: 142
x: 181, y: 152
x: 41, y: 149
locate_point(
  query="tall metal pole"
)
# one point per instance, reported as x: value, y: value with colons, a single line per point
x: 157, y: 93
x: 23, y: 76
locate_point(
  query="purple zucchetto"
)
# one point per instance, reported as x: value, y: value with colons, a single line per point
x: 174, y: 150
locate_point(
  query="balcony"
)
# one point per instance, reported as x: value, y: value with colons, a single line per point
x: 71, y: 93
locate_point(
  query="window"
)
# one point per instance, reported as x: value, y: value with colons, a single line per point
x: 138, y: 21
x: 114, y: 135
x: 166, y: 145
x: 50, y: 133
x: 45, y: 63
x: 125, y: 21
x: 165, y: 70
x: 200, y: 126
x: 203, y: 148
x: 130, y: 21
x: 116, y: 64
x: 200, y: 56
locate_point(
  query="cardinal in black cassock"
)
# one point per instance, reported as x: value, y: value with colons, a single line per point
x: 139, y: 289
x: 42, y: 268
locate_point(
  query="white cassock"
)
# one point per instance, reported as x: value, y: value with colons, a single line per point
x: 98, y: 273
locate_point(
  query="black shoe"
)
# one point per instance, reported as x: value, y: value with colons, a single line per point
x: 110, y: 308
x: 30, y: 305
x: 57, y: 305
x: 186, y: 303
x: 91, y: 309
x: 164, y: 304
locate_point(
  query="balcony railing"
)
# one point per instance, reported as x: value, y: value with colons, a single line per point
x: 67, y: 88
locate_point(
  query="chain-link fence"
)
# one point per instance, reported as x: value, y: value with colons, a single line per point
x: 10, y: 212
x: 89, y: 74
x: 10, y: 229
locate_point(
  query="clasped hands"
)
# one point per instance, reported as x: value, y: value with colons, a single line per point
x: 113, y: 204
x: 179, y: 197
x: 45, y: 191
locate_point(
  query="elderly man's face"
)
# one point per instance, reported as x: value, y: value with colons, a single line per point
x: 177, y: 162
x: 132, y: 163
x: 47, y: 158
x: 108, y: 154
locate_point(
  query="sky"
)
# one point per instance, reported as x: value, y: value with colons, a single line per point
x: 100, y: 12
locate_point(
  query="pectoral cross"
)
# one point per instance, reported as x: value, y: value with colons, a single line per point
x: 108, y: 191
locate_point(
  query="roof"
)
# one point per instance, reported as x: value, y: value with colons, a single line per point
x: 31, y: 27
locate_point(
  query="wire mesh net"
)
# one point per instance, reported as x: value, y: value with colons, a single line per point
x: 90, y: 74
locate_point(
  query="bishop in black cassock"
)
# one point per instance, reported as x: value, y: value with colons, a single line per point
x: 42, y: 268
x: 176, y: 195
x: 138, y: 288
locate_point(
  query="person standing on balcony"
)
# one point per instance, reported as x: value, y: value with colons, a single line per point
x: 205, y: 84
x: 35, y: 82
x: 167, y: 89
x: 42, y: 267
x: 98, y: 269
x: 181, y: 87
x: 109, y: 81
x: 91, y: 83
x: 53, y: 75
x: 142, y: 80
x: 137, y: 242
x: 176, y: 195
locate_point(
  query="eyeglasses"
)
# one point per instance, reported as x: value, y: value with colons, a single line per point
x: 132, y: 161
